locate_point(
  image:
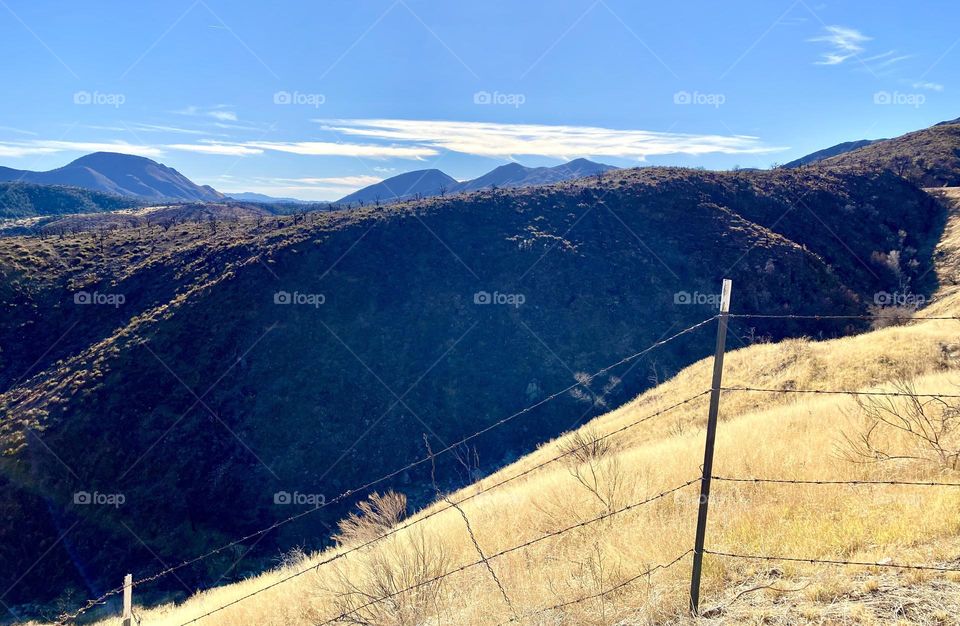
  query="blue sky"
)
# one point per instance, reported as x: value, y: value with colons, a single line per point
x: 315, y: 99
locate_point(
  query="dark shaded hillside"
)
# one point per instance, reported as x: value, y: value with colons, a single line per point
x: 928, y: 157
x: 19, y: 199
x: 207, y: 391
x: 213, y: 215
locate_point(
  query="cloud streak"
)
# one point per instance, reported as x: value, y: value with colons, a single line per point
x: 216, y: 148
x: 562, y: 142
x: 307, y: 187
x: 845, y: 43
x: 419, y: 139
x: 326, y: 148
x: 43, y: 146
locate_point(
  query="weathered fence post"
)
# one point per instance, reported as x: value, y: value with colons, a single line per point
x: 128, y: 600
x: 708, y: 446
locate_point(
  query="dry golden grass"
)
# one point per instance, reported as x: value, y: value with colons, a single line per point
x: 793, y: 436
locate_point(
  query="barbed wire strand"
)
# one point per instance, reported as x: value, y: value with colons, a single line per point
x: 845, y: 392
x: 764, y: 557
x: 616, y: 587
x: 350, y: 492
x: 838, y: 317
x: 451, y: 572
x: 787, y: 481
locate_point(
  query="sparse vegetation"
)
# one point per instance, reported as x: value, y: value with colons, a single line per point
x: 378, y: 514
x: 908, y: 427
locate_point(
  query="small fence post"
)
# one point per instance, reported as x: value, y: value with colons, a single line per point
x: 128, y: 600
x: 708, y: 446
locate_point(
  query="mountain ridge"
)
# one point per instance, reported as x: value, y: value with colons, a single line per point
x: 832, y: 151
x: 434, y: 182
x: 119, y: 174
x: 425, y: 183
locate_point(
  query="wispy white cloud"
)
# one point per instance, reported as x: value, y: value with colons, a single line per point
x: 890, y: 61
x: 220, y: 112
x: 877, y: 57
x: 215, y: 148
x: 930, y: 86
x: 224, y: 116
x: 160, y: 128
x: 329, y: 188
x: 325, y: 148
x: 564, y: 142
x: 15, y: 151
x: 844, y: 42
x: 43, y: 146
x: 17, y: 131
x: 228, y: 126
x: 340, y: 181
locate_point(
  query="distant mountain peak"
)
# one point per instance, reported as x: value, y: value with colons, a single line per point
x: 428, y: 182
x: 97, y: 158
x: 120, y: 174
x: 832, y: 151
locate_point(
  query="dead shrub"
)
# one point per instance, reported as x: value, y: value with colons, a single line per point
x: 397, y: 585
x: 909, y: 427
x: 585, y: 445
x: 377, y: 515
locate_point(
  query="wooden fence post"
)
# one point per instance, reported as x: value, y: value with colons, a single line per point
x: 128, y: 600
x: 708, y: 446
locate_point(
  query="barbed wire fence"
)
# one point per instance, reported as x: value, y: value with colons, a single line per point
x: 698, y: 551
x: 428, y: 458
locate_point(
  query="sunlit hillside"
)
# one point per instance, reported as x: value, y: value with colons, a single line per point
x: 592, y: 557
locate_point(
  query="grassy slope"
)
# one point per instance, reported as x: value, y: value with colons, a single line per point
x: 760, y: 435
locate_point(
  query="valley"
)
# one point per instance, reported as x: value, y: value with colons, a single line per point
x: 220, y: 354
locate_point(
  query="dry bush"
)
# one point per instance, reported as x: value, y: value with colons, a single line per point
x: 378, y: 514
x: 591, y: 460
x: 584, y: 446
x: 397, y: 585
x: 906, y: 428
x: 295, y: 557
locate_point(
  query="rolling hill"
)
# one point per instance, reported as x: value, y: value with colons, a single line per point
x: 428, y: 183
x: 516, y: 175
x: 119, y: 174
x: 832, y: 151
x: 928, y: 157
x: 401, y: 187
x: 325, y: 347
x: 18, y: 200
